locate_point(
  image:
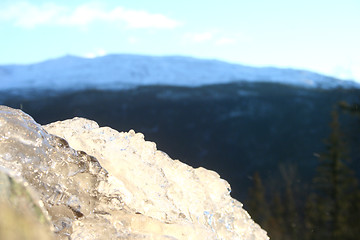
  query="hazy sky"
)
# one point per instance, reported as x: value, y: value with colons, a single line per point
x: 317, y: 35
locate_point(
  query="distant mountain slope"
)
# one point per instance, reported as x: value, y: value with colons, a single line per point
x: 71, y: 73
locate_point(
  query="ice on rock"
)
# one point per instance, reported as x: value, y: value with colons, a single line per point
x: 67, y: 180
x: 116, y: 185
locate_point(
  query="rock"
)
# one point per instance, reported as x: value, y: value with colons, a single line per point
x: 22, y: 214
x: 116, y: 185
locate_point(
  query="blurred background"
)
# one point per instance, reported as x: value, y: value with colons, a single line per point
x: 266, y: 93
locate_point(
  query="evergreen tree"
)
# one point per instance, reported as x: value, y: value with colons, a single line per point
x: 315, y: 217
x: 280, y: 216
x: 354, y: 110
x: 277, y: 221
x: 291, y: 208
x: 257, y: 205
x: 335, y: 186
x: 351, y: 108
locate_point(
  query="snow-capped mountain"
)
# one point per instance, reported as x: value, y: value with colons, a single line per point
x: 71, y: 73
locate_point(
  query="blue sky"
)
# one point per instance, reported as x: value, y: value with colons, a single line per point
x: 317, y: 35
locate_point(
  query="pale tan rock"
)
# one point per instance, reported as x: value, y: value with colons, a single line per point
x: 133, y: 192
x: 22, y: 215
x: 161, y: 188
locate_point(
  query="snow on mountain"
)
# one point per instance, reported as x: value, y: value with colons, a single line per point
x: 124, y: 71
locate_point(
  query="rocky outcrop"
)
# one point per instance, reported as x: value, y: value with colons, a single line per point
x: 97, y: 183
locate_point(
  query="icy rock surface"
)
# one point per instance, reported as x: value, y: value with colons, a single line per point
x: 124, y: 188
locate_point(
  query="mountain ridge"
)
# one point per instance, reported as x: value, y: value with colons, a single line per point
x: 123, y: 71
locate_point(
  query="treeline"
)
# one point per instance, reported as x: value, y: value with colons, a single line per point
x: 328, y: 208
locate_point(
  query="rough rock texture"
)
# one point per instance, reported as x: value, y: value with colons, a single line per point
x: 124, y: 188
